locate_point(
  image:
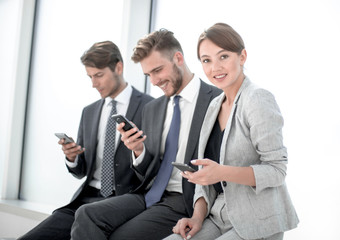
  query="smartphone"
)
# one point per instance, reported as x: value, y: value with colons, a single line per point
x: 64, y: 136
x: 128, y: 125
x: 183, y: 167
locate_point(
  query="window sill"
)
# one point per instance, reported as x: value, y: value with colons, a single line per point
x: 31, y: 210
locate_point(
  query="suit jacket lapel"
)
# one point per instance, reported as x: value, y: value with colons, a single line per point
x: 156, y: 117
x: 159, y: 122
x: 132, y: 108
x: 203, y: 100
x: 230, y: 120
x: 208, y: 124
x: 94, y: 130
x: 134, y: 104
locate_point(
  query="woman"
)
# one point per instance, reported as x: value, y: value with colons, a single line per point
x: 244, y: 196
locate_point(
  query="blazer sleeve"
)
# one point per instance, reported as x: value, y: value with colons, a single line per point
x: 209, y: 194
x: 265, y: 124
x: 146, y: 169
x: 80, y: 170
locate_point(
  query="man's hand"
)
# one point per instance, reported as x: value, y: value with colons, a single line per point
x: 131, y: 140
x: 71, y: 150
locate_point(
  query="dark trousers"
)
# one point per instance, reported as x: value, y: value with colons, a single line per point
x: 58, y: 225
x: 126, y: 217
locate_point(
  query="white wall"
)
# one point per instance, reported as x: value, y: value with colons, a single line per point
x: 293, y: 50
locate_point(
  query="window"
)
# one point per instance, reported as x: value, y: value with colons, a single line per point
x: 59, y: 89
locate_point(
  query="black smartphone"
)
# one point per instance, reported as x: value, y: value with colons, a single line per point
x: 183, y: 167
x: 64, y: 136
x: 128, y: 125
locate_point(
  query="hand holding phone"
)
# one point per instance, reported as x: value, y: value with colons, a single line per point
x: 70, y: 151
x: 65, y: 137
x: 183, y: 167
x: 128, y: 124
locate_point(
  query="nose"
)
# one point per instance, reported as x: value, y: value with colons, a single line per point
x: 216, y: 66
x: 94, y: 83
x: 154, y: 80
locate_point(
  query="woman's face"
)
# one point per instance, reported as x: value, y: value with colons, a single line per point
x: 223, y: 68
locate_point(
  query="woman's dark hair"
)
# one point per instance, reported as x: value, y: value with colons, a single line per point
x: 223, y: 36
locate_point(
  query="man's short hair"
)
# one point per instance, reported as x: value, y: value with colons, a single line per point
x: 162, y: 41
x: 102, y: 55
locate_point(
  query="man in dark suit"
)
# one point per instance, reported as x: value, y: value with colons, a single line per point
x: 141, y: 215
x: 104, y: 65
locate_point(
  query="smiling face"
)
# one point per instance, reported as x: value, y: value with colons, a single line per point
x: 106, y: 82
x: 164, y: 73
x: 223, y: 68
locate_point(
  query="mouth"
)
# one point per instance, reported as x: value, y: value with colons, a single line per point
x: 220, y: 77
x: 100, y: 91
x: 162, y: 85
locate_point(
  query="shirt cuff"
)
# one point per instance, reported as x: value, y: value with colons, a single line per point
x: 71, y: 164
x: 139, y: 159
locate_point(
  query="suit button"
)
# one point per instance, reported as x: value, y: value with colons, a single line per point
x: 116, y: 164
x: 224, y: 183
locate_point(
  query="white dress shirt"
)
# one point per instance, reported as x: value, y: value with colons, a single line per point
x: 123, y: 100
x: 187, y: 104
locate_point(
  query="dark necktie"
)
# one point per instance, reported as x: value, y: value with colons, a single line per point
x: 107, y: 180
x: 170, y: 152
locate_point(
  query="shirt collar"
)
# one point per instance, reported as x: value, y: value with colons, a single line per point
x: 123, y: 97
x: 191, y: 90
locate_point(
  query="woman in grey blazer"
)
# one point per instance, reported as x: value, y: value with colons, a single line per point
x: 241, y: 193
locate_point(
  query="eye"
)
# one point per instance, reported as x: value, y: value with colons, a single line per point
x: 224, y: 56
x: 158, y: 70
x: 99, y: 75
x: 205, y: 60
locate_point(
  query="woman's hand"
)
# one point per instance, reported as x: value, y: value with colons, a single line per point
x: 211, y: 173
x: 187, y: 227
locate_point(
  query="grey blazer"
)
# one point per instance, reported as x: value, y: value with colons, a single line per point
x: 252, y: 137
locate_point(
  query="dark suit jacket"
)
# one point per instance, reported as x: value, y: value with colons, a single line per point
x: 125, y: 178
x: 152, y: 125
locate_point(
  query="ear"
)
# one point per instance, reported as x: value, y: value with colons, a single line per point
x: 119, y: 68
x: 178, y: 58
x: 243, y: 57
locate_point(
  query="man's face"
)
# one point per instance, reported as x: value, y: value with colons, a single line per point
x: 163, y: 73
x: 105, y: 81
